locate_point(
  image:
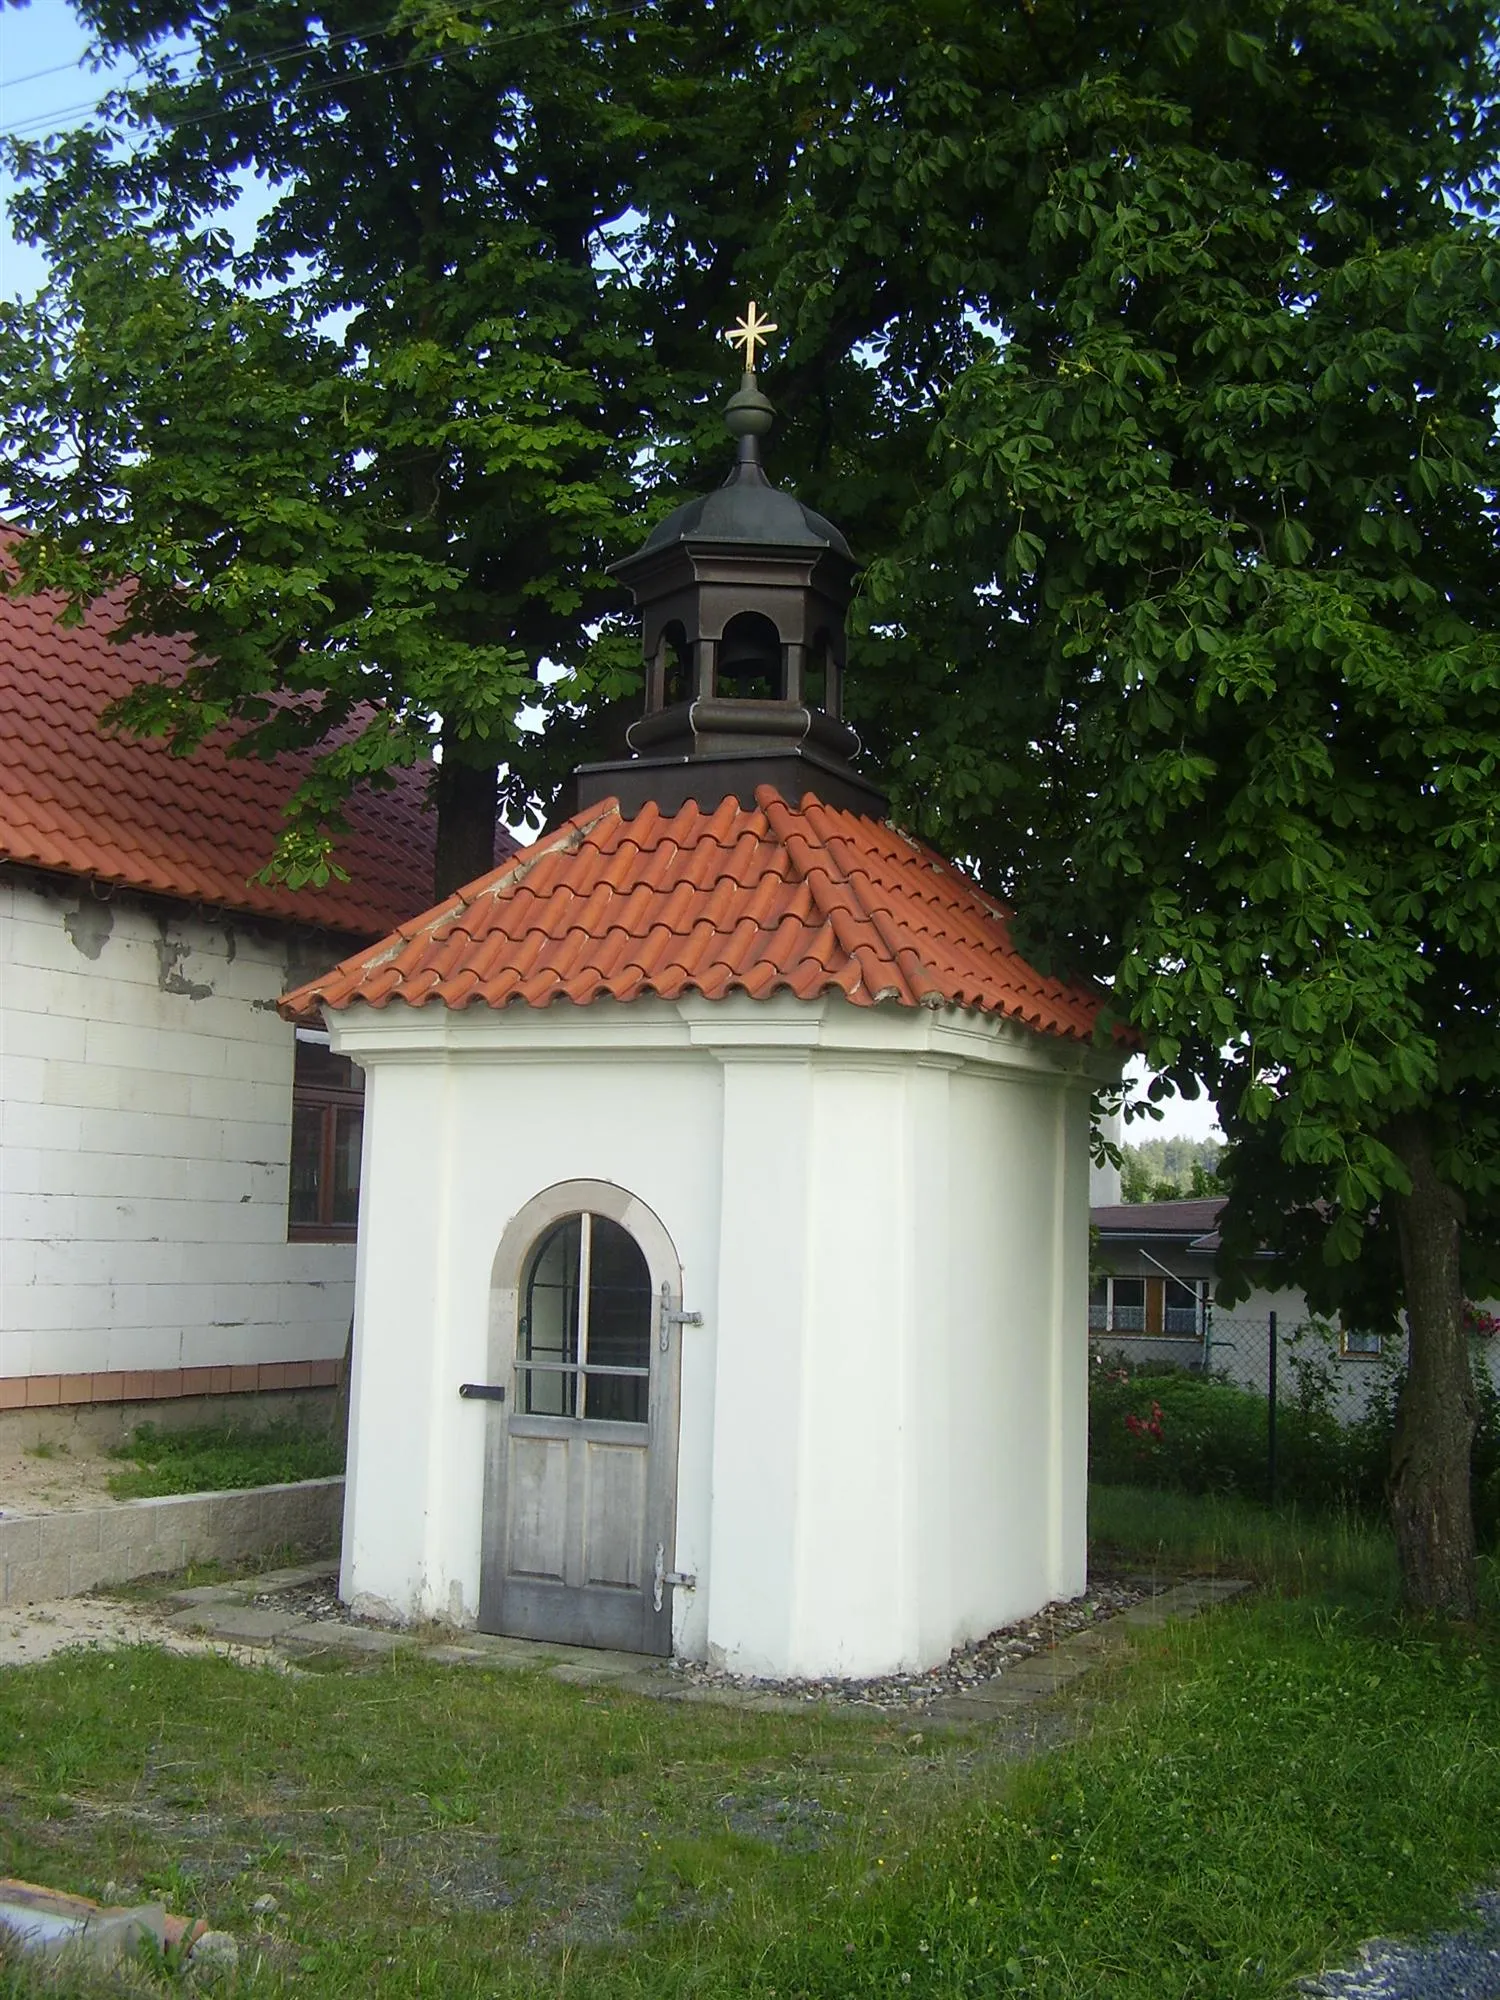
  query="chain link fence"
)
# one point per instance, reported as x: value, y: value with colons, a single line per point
x: 1274, y: 1405
x: 1314, y: 1386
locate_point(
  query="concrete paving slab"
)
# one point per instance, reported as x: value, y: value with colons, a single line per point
x: 295, y: 1578
x: 652, y: 1683
x: 1216, y: 1589
x: 245, y: 1624
x: 204, y: 1593
x: 313, y: 1636
x: 511, y: 1659
x: 590, y: 1656
x: 972, y: 1708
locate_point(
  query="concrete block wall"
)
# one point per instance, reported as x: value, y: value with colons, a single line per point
x: 145, y: 1134
x: 45, y: 1556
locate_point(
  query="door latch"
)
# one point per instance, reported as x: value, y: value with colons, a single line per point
x: 668, y: 1316
x: 661, y: 1576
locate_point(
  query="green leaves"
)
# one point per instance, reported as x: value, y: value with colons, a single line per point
x: 1192, y: 618
x: 1159, y: 398
x: 375, y: 460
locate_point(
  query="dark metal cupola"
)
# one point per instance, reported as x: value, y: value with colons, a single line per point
x: 743, y: 595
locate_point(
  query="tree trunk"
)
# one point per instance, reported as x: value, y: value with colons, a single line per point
x: 465, y: 796
x: 1431, y: 1504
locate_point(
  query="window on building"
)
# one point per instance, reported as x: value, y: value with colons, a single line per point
x: 1127, y: 1305
x: 1182, y: 1307
x: 1352, y: 1343
x: 1156, y: 1307
x: 327, y: 1129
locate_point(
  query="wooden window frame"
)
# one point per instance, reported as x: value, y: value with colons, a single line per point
x: 327, y: 1101
x: 1348, y: 1353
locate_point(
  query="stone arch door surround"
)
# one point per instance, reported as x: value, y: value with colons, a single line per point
x: 579, y: 1507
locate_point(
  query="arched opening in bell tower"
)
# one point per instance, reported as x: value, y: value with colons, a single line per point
x: 677, y: 667
x: 751, y: 663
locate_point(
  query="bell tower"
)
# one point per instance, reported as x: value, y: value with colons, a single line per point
x: 743, y: 595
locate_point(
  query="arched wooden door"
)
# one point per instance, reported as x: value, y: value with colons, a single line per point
x: 580, y: 1482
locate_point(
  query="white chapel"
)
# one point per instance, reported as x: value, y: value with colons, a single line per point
x: 722, y: 1283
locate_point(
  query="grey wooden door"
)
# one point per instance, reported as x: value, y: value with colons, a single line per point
x: 578, y: 1513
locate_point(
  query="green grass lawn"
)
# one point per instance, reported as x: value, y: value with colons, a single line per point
x: 1338, y: 1555
x: 1251, y: 1793
x: 221, y: 1457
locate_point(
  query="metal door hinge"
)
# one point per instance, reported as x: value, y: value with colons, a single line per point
x: 668, y: 1316
x: 661, y: 1576
x: 487, y: 1392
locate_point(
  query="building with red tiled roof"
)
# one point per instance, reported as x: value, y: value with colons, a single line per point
x: 724, y: 1258
x: 169, y: 1226
x: 121, y: 811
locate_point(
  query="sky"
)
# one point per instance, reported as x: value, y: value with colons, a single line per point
x: 1180, y: 1119
x: 46, y: 36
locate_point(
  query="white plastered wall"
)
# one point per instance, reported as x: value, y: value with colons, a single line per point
x: 145, y: 1134
x: 881, y: 1213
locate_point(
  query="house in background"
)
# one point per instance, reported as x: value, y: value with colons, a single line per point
x: 179, y: 1169
x: 1151, y: 1299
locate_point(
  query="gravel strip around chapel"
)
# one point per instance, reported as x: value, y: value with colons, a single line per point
x: 966, y: 1670
x: 969, y: 1668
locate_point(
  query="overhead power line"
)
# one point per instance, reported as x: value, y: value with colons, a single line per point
x: 45, y: 124
x: 36, y: 75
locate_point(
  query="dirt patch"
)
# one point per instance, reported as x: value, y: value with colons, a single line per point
x: 49, y: 1476
x: 33, y: 1632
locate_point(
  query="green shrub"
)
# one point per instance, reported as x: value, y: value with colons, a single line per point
x: 1159, y: 1425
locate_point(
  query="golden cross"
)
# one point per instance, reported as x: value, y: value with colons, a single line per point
x: 749, y: 333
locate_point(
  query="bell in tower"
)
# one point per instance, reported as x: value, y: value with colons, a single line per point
x: 742, y: 595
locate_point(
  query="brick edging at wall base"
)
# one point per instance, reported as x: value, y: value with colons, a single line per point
x: 158, y: 1385
x: 45, y: 1556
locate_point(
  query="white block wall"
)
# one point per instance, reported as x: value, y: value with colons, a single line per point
x: 145, y: 1132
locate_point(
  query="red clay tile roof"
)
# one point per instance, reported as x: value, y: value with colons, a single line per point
x: 807, y: 898
x: 121, y: 810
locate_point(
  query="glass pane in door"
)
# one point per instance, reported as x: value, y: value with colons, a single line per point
x: 549, y: 1323
x: 619, y: 1327
x: 619, y: 1299
x: 617, y: 1399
